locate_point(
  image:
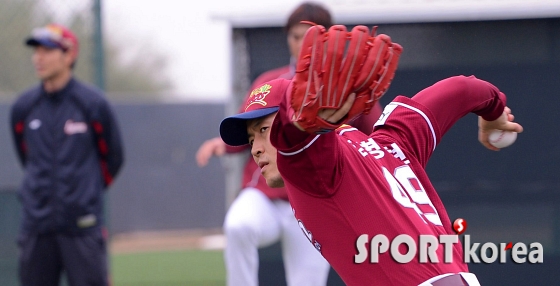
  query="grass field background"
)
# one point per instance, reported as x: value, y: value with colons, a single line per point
x: 168, y: 268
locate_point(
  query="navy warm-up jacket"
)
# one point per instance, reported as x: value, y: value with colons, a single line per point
x: 70, y: 147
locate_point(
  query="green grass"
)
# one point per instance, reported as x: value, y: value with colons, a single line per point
x: 189, y: 267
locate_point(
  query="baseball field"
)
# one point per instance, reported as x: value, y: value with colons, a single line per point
x: 168, y: 268
x: 168, y: 259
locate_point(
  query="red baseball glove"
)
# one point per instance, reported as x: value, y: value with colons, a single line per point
x: 336, y: 63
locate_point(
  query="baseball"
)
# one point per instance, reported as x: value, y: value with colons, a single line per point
x: 502, y: 139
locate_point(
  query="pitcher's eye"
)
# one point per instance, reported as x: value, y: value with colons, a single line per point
x: 263, y: 129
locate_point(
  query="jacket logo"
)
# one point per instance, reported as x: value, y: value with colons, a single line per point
x: 34, y: 124
x: 258, y: 95
x: 87, y: 221
x: 72, y: 127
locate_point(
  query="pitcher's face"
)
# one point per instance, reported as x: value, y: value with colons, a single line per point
x: 262, y: 150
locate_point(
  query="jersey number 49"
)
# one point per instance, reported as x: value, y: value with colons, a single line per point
x: 410, y: 193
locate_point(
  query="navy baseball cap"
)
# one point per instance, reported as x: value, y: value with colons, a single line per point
x: 262, y: 101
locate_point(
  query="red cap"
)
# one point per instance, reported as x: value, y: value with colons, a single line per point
x: 54, y: 36
x: 262, y: 101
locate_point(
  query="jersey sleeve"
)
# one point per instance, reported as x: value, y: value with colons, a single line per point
x: 19, y: 112
x: 308, y: 161
x: 420, y: 122
x: 109, y: 142
x: 17, y: 126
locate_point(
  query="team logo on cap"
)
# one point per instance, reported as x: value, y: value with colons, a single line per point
x: 258, y: 95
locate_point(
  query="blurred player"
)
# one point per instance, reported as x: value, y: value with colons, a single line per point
x: 345, y: 183
x: 260, y: 216
x: 68, y: 142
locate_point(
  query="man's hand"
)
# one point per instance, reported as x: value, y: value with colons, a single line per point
x: 334, y: 115
x: 209, y: 148
x: 504, y: 122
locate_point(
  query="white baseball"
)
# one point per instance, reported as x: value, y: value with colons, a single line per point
x: 501, y: 138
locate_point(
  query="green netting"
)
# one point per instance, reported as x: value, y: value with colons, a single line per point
x: 9, y: 223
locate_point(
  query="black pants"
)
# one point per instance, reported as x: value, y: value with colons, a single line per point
x: 83, y: 258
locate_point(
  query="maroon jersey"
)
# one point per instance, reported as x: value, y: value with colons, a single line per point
x: 252, y: 173
x: 344, y: 184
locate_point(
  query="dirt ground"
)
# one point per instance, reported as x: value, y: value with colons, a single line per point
x: 167, y: 241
